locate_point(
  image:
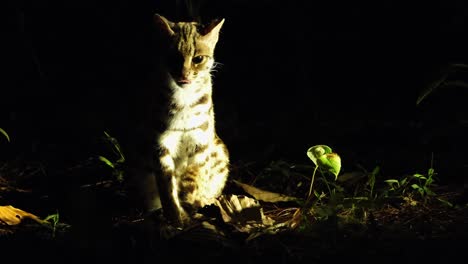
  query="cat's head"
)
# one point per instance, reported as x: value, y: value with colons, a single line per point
x: 190, y: 47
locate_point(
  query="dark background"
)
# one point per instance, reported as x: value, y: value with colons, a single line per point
x: 294, y: 74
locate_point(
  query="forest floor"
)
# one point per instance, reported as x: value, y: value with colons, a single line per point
x: 95, y: 222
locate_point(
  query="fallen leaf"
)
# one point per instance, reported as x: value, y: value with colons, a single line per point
x: 243, y: 212
x: 263, y: 195
x: 10, y: 215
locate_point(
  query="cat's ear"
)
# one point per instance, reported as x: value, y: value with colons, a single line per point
x: 164, y: 24
x: 211, y: 32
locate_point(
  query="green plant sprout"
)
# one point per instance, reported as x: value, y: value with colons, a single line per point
x: 115, y: 146
x: 329, y: 202
x: 423, y: 185
x: 117, y: 151
x: 324, y: 158
x: 52, y: 220
x: 367, y: 195
x: 371, y: 181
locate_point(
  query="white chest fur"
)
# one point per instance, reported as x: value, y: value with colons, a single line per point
x: 191, y: 119
x: 191, y: 107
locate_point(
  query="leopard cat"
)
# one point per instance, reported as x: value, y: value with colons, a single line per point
x: 192, y: 159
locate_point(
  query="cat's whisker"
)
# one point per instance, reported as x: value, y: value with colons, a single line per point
x: 215, y: 67
x: 216, y: 64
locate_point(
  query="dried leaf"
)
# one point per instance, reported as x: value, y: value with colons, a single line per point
x: 243, y: 212
x: 10, y: 215
x: 263, y: 195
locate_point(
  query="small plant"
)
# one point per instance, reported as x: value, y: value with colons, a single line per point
x: 325, y: 160
x: 53, y: 220
x: 118, y: 162
x: 371, y: 182
x: 423, y: 185
x: 366, y: 195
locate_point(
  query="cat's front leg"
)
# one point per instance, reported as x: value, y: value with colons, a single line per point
x: 167, y: 180
x: 194, y: 180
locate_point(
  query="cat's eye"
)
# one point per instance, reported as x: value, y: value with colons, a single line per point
x: 198, y: 59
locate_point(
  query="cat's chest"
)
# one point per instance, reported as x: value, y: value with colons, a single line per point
x: 188, y: 109
x: 185, y: 96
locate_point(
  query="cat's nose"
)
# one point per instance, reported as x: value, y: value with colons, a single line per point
x: 184, y: 78
x: 185, y: 74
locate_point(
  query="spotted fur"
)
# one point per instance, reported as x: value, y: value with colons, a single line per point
x: 194, y: 161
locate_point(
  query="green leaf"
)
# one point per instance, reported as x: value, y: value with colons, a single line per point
x: 330, y: 162
x: 115, y: 147
x: 430, y: 172
x: 392, y: 181
x: 317, y: 151
x: 55, y: 220
x: 415, y: 186
x: 5, y: 134
x: 322, y: 195
x: 372, y: 176
x: 323, y: 157
x: 403, y: 182
x: 319, y: 196
x: 417, y: 175
x: 53, y: 217
x: 428, y: 182
x: 106, y: 161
